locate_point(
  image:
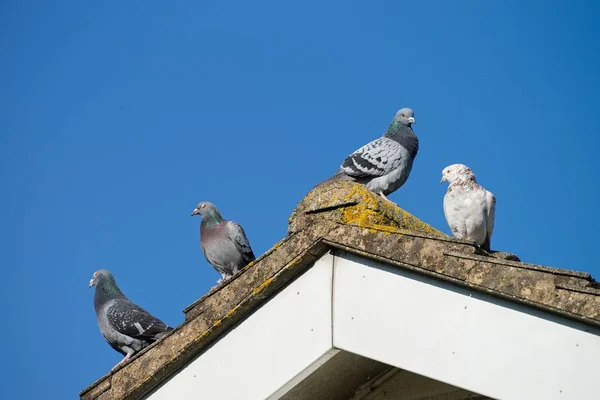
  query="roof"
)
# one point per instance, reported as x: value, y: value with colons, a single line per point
x: 344, y: 215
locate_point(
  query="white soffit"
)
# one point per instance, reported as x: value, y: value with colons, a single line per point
x: 268, y: 349
x: 464, y: 338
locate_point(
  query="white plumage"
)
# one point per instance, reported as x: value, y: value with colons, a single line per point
x: 469, y: 208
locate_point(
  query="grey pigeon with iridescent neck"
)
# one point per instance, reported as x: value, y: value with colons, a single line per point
x: 470, y: 209
x: 127, y: 327
x: 384, y: 164
x: 223, y: 242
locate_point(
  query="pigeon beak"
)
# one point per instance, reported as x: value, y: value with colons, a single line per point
x: 195, y: 212
x: 412, y: 120
x: 442, y: 180
x: 92, y: 283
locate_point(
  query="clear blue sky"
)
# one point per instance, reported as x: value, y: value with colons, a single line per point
x: 117, y: 118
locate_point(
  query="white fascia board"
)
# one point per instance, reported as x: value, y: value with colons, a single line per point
x: 464, y: 338
x: 266, y: 351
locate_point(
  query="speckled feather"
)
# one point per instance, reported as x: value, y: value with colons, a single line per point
x: 469, y: 208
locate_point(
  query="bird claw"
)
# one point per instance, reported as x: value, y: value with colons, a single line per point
x: 117, y: 365
x: 224, y: 279
x: 120, y: 362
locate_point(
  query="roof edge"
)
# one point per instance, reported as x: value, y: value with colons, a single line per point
x: 473, y: 286
x: 220, y: 311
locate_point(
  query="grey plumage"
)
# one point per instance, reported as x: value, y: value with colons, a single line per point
x: 223, y: 242
x: 384, y: 164
x: 126, y: 327
x: 470, y: 210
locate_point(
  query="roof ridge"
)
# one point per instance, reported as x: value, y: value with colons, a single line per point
x: 522, y: 265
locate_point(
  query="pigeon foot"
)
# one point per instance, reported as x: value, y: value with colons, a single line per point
x: 121, y: 362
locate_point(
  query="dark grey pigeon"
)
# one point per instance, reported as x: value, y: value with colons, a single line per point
x: 223, y: 242
x: 384, y: 164
x: 127, y: 327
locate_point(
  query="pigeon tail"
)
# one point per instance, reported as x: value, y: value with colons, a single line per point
x: 486, y: 245
x: 162, y: 334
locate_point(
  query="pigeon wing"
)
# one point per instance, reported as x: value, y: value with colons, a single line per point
x: 376, y: 158
x: 133, y: 321
x: 239, y: 239
x: 452, y: 212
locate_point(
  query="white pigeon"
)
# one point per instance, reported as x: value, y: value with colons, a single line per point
x: 469, y: 208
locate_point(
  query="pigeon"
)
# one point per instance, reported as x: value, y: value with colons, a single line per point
x: 384, y: 164
x: 223, y: 242
x: 469, y: 208
x: 127, y: 327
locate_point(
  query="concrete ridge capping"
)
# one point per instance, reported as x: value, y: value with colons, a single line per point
x: 345, y: 216
x: 349, y: 203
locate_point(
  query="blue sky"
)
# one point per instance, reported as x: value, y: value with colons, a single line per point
x: 116, y: 118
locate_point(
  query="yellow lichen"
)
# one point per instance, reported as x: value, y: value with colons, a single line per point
x: 277, y: 245
x: 262, y: 286
x: 203, y: 334
x: 371, y: 212
x: 216, y: 323
x: 231, y: 312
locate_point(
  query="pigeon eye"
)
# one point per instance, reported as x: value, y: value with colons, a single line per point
x: 203, y: 205
x: 95, y: 274
x: 403, y: 115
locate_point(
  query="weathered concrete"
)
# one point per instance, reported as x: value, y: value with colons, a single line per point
x: 347, y: 216
x: 349, y: 203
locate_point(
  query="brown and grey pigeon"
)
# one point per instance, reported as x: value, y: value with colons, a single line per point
x: 223, y: 242
x: 127, y: 327
x: 384, y: 164
x: 469, y: 208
